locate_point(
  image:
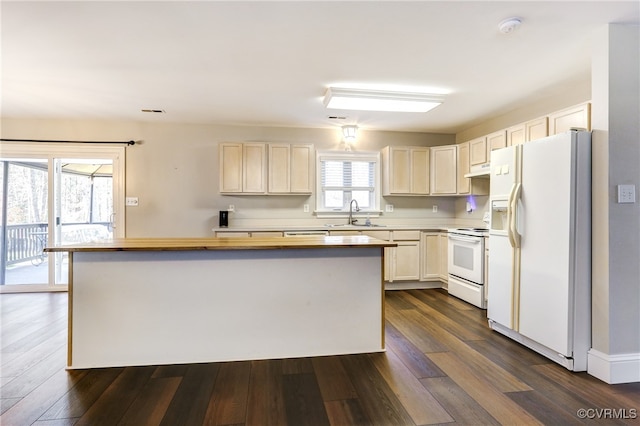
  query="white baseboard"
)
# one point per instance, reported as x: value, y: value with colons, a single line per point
x: 614, y: 369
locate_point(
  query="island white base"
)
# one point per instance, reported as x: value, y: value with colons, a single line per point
x: 171, y: 307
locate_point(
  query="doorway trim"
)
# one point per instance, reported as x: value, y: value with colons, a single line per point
x: 50, y: 151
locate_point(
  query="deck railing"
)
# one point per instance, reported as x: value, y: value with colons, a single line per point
x: 25, y: 242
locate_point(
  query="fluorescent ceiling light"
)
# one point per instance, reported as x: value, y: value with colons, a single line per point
x: 377, y: 100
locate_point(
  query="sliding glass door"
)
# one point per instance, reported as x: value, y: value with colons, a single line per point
x: 72, y: 194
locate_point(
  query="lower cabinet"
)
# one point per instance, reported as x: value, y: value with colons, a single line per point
x: 434, y: 256
x: 443, y: 258
x: 419, y: 256
x: 430, y: 256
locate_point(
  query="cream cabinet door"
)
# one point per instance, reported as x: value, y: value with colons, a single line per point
x: 478, y: 151
x: 430, y: 256
x: 443, y: 258
x: 405, y: 261
x: 529, y: 131
x: 495, y: 141
x: 279, y: 168
x: 516, y: 135
x: 444, y: 164
x: 405, y: 170
x: 419, y: 171
x: 291, y: 168
x: 254, y: 168
x: 302, y: 168
x: 464, y: 184
x: 578, y: 116
x: 537, y: 129
x: 396, y: 163
x: 230, y: 167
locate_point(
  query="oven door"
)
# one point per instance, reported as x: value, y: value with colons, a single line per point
x: 466, y: 257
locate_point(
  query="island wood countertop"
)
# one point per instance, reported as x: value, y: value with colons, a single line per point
x: 185, y: 244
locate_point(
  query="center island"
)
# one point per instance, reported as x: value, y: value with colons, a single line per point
x: 151, y: 301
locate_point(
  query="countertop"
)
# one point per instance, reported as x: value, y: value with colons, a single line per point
x: 182, y: 244
x: 338, y: 227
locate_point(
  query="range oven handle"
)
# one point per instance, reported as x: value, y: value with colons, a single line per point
x: 458, y: 237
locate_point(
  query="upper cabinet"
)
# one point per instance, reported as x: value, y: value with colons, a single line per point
x: 578, y: 116
x: 478, y: 151
x: 260, y: 168
x: 444, y: 162
x: 242, y: 168
x: 497, y: 140
x: 563, y: 121
x: 466, y: 185
x: 405, y: 170
x: 529, y: 131
x: 291, y: 168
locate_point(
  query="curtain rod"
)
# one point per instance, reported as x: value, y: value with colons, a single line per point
x: 54, y: 141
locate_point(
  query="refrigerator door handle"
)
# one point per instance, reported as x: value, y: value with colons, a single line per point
x: 510, y: 215
x: 514, y: 236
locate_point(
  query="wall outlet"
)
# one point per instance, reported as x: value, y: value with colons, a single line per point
x: 131, y: 201
x: 306, y: 208
x: 232, y: 208
x: 626, y: 194
x: 434, y: 208
x: 389, y: 208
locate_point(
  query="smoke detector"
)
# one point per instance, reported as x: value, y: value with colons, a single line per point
x: 509, y: 25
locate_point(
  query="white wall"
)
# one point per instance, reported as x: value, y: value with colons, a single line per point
x: 616, y: 160
x: 173, y: 171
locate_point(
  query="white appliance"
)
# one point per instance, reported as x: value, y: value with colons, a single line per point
x: 540, y: 245
x: 466, y: 265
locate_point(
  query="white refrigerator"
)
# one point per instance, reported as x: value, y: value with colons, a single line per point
x: 540, y: 246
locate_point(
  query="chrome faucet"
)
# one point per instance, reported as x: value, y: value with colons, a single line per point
x: 351, y: 219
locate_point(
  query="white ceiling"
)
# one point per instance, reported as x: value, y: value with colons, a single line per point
x: 269, y: 63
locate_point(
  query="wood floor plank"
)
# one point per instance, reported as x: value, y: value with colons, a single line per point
x: 191, y: 399
x: 497, y: 376
x: 29, y: 359
x: 419, y: 403
x: 228, y: 404
x: 58, y: 422
x: 151, y: 405
x: 491, y: 399
x: 543, y: 408
x: 333, y: 380
x: 346, y: 412
x: 375, y: 397
x: 297, y: 365
x: 517, y: 360
x: 89, y: 386
x: 462, y: 407
x: 598, y: 393
x: 110, y: 407
x: 303, y: 401
x: 48, y: 365
x: 265, y: 404
x: 461, y: 330
x: 421, y: 339
x: 31, y: 407
x: 473, y: 374
x: 411, y: 356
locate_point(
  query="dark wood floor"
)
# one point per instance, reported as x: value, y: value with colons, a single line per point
x: 442, y: 365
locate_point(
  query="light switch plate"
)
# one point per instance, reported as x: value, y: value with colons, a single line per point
x: 389, y: 208
x: 626, y: 194
x: 131, y: 201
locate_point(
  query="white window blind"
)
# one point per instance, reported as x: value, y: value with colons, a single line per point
x: 347, y: 176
